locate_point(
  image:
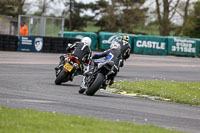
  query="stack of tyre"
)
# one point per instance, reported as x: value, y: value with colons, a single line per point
x: 8, y: 43
x: 56, y: 44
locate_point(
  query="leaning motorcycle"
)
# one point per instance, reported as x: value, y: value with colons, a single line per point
x: 68, y: 69
x: 99, y: 77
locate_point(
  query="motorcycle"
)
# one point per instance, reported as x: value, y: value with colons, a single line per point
x: 99, y: 77
x: 68, y: 69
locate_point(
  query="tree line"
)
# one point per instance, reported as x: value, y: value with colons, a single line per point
x: 120, y: 15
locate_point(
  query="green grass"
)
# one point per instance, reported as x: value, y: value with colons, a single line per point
x: 180, y: 92
x: 152, y: 32
x: 29, y: 121
x: 91, y: 28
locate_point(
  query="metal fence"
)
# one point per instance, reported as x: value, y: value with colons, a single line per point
x: 42, y: 26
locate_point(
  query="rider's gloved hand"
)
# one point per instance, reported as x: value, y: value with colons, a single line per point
x: 62, y: 57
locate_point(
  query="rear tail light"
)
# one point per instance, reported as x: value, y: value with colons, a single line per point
x: 74, y: 59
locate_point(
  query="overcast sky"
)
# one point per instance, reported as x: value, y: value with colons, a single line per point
x: 57, y: 9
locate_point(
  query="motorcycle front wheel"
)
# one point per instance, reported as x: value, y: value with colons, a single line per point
x: 95, y: 85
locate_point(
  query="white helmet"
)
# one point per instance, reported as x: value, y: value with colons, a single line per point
x: 115, y: 45
x: 87, y: 41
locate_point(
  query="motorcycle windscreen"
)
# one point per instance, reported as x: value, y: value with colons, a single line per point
x: 68, y: 67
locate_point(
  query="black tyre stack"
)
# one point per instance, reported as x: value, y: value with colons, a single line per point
x: 50, y: 44
x: 46, y: 44
x: 56, y: 44
x: 8, y: 43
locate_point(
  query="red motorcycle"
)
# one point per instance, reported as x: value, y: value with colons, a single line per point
x: 68, y: 69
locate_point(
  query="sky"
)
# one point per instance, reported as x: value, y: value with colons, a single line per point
x: 57, y: 9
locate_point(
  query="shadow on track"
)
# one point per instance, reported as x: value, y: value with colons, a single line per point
x: 103, y: 95
x: 69, y: 85
x: 73, y: 85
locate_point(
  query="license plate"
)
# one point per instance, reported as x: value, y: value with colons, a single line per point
x: 68, y: 67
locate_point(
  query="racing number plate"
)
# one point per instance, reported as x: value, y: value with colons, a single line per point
x: 68, y: 67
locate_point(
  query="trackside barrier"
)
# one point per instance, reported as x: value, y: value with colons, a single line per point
x: 80, y: 35
x: 30, y: 43
x: 106, y: 38
x: 8, y: 42
x: 57, y: 44
x: 152, y: 45
x: 141, y: 44
x: 198, y: 46
x: 183, y: 46
x: 44, y: 44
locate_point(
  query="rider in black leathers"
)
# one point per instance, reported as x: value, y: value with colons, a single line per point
x: 113, y: 54
x: 81, y: 50
x: 125, y: 49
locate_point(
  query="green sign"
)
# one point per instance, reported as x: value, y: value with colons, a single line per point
x: 80, y: 35
x: 30, y: 44
x: 183, y: 46
x: 152, y: 45
x: 198, y: 47
x: 106, y: 38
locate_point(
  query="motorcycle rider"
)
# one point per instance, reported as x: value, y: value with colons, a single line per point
x: 125, y: 49
x: 81, y: 50
x: 112, y: 54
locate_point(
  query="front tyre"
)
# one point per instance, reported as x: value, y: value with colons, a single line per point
x: 60, y: 77
x: 95, y: 85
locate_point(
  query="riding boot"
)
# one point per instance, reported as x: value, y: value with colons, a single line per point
x: 83, y: 86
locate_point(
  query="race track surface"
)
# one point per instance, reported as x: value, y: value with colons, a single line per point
x: 27, y: 81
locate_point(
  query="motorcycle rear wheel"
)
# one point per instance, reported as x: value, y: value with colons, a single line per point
x: 60, y: 77
x: 95, y: 85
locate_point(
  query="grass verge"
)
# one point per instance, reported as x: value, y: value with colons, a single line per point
x: 179, y: 92
x: 29, y: 121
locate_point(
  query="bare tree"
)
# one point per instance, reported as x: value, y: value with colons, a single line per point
x: 43, y: 6
x: 166, y: 10
x: 132, y: 14
x: 12, y: 7
x: 122, y: 15
x: 68, y: 11
x: 185, y: 18
x: 20, y: 7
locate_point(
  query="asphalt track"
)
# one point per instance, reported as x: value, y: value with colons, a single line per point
x: 27, y: 81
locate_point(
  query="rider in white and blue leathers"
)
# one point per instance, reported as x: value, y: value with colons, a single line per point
x: 112, y: 54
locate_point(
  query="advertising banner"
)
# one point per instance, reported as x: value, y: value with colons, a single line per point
x: 183, y: 46
x: 30, y: 44
x: 198, y: 47
x: 106, y: 38
x: 151, y: 45
x: 80, y: 35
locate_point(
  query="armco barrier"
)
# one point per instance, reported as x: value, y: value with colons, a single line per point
x: 80, y: 35
x: 106, y: 38
x: 183, y: 46
x: 152, y: 45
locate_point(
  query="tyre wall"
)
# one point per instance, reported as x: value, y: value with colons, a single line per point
x: 141, y: 44
x: 80, y: 35
x: 106, y: 38
x: 8, y: 43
